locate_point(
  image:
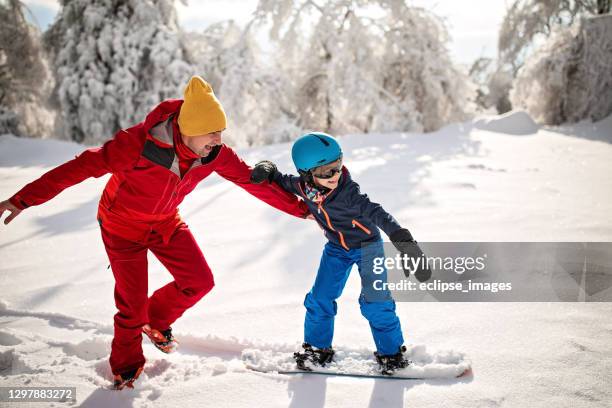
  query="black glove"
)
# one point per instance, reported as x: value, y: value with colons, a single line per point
x: 264, y: 170
x: 406, y: 245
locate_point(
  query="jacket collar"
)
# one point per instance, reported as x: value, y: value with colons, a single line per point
x: 162, y: 135
x: 344, y: 179
x: 183, y: 151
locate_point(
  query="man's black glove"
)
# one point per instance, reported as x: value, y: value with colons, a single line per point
x: 406, y: 245
x: 264, y: 170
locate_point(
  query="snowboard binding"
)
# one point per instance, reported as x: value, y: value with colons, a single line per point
x: 163, y: 340
x: 126, y: 379
x: 314, y: 356
x: 388, y: 364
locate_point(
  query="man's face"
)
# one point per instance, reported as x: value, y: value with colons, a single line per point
x: 202, y: 145
x: 334, y: 168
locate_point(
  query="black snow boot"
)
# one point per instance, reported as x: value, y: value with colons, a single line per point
x: 313, y: 356
x: 392, y: 362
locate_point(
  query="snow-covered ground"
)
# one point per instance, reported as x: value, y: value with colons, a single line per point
x: 466, y: 182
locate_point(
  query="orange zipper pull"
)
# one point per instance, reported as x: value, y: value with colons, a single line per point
x: 358, y: 224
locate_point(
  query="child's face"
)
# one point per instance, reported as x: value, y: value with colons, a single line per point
x: 334, y: 168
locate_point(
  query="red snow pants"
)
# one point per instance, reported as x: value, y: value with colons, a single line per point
x: 192, y: 280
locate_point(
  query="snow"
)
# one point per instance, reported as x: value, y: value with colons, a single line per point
x: 461, y: 183
x: 513, y: 123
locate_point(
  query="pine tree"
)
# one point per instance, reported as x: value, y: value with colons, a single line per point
x: 114, y: 61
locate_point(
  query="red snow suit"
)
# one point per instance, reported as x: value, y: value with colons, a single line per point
x: 138, y: 212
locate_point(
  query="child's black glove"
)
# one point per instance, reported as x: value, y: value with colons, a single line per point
x: 406, y: 245
x: 264, y: 170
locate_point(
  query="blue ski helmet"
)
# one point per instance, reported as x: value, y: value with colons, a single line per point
x: 313, y: 150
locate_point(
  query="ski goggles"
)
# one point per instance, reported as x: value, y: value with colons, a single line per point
x: 330, y: 172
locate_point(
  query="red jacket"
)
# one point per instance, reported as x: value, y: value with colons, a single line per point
x: 146, y: 186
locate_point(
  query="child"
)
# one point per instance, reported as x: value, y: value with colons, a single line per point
x: 349, y: 220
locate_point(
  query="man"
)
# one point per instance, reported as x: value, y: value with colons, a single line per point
x: 154, y: 165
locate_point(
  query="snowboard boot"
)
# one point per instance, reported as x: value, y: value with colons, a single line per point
x: 126, y: 379
x: 163, y: 340
x: 388, y: 364
x: 314, y: 356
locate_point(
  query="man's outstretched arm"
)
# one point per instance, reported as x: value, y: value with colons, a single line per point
x: 117, y: 154
x: 234, y: 169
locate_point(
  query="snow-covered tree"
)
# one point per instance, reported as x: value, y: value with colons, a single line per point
x: 251, y: 90
x: 115, y: 60
x: 529, y: 21
x: 25, y: 80
x: 366, y: 66
x: 499, y: 84
x: 493, y: 85
x: 569, y: 78
x: 527, y: 26
x: 336, y: 87
x: 417, y: 71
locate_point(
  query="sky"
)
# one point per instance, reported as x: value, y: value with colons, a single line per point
x: 473, y: 28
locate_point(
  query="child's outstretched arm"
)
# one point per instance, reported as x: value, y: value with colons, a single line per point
x: 400, y: 237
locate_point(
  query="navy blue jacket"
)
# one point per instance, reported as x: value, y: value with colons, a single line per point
x: 347, y: 216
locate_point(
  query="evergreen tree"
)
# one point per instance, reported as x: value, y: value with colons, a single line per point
x: 114, y: 61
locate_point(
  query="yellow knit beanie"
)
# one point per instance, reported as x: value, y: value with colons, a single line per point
x: 201, y: 112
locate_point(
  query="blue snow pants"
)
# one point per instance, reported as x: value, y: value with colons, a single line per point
x: 378, y: 307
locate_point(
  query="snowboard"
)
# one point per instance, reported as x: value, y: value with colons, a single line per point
x: 360, y: 363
